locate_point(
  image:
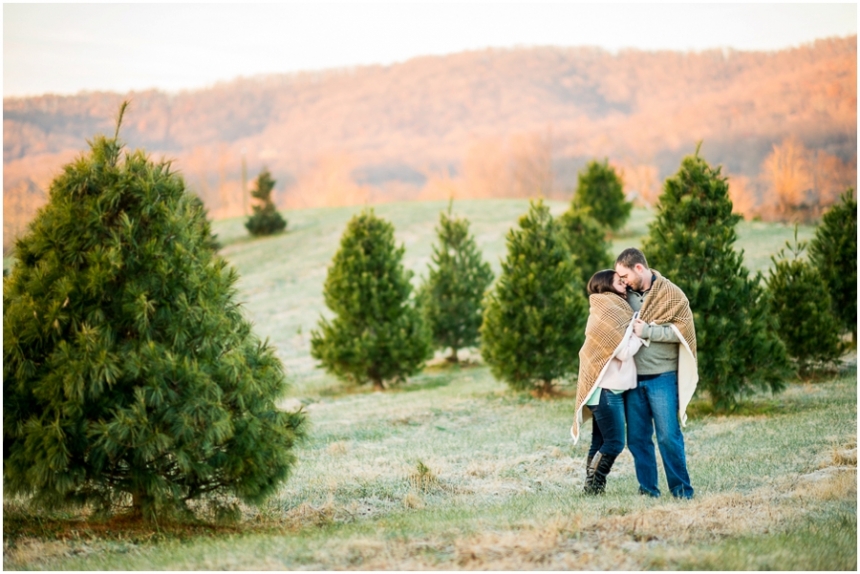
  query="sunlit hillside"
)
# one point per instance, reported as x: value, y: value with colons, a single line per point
x: 493, y: 123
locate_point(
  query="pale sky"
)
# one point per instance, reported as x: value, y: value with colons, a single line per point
x: 68, y: 48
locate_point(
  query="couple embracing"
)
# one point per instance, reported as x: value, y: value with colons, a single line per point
x: 637, y: 373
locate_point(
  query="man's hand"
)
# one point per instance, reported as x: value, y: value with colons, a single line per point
x: 638, y: 324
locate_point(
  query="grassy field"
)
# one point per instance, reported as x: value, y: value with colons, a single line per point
x: 454, y: 471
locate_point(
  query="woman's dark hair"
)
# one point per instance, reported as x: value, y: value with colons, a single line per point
x: 601, y: 282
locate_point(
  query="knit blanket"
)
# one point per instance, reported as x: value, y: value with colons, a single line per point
x: 667, y: 304
x: 610, y: 323
x: 606, y: 331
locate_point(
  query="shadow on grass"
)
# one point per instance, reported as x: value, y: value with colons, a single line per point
x: 750, y: 408
x: 447, y: 366
x: 19, y: 523
x: 425, y: 384
x: 769, y: 405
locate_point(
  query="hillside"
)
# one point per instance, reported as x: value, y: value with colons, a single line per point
x: 491, y: 123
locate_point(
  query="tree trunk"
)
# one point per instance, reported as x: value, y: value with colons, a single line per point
x: 452, y: 358
x: 377, y: 385
x: 544, y: 388
x: 137, y: 503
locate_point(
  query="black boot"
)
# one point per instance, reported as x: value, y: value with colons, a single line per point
x: 589, y: 474
x: 601, y: 465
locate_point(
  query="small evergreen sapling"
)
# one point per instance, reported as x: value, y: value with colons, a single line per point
x: 129, y: 372
x: 802, y: 306
x: 600, y: 189
x: 377, y: 334
x: 266, y: 220
x: 833, y: 250
x: 451, y: 297
x: 586, y: 239
x: 534, y: 318
x: 691, y: 242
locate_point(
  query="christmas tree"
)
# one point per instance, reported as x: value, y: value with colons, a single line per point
x: 802, y: 306
x: 451, y: 297
x: 130, y: 375
x: 586, y: 239
x: 691, y: 242
x: 833, y: 250
x: 377, y: 334
x: 534, y: 318
x: 266, y: 220
x: 600, y: 190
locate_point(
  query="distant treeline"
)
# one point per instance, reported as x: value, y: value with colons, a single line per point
x: 491, y: 123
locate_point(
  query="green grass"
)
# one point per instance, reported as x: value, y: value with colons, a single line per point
x: 454, y: 471
x: 505, y: 493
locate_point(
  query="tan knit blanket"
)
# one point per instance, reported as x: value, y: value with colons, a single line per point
x: 609, y: 319
x: 666, y: 303
x: 609, y: 323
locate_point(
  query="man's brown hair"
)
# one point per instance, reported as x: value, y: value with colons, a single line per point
x: 630, y: 257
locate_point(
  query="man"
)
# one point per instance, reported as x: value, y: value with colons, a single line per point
x: 666, y: 374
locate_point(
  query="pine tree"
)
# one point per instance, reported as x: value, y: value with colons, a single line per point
x: 691, y: 242
x: 534, y: 318
x: 802, y: 306
x: 586, y: 239
x: 129, y: 372
x: 833, y: 250
x: 266, y: 220
x: 600, y: 189
x: 377, y: 334
x: 451, y: 297
x: 211, y: 239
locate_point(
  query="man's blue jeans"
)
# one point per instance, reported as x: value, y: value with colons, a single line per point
x: 607, y: 430
x: 653, y: 404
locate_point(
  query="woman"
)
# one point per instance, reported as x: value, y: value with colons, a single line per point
x: 606, y: 370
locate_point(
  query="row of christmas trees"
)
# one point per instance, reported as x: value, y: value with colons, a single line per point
x: 131, y: 378
x: 753, y: 332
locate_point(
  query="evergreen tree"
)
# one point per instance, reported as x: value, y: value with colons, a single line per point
x: 211, y: 239
x: 129, y: 372
x: 586, y: 239
x: 534, y: 319
x: 600, y: 189
x: 833, y: 250
x: 803, y: 308
x: 451, y: 297
x: 691, y: 241
x: 377, y: 334
x: 266, y: 220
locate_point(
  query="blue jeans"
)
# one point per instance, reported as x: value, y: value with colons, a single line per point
x: 653, y: 404
x: 607, y: 429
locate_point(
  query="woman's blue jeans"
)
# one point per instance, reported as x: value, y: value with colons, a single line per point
x: 653, y: 404
x: 607, y: 429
